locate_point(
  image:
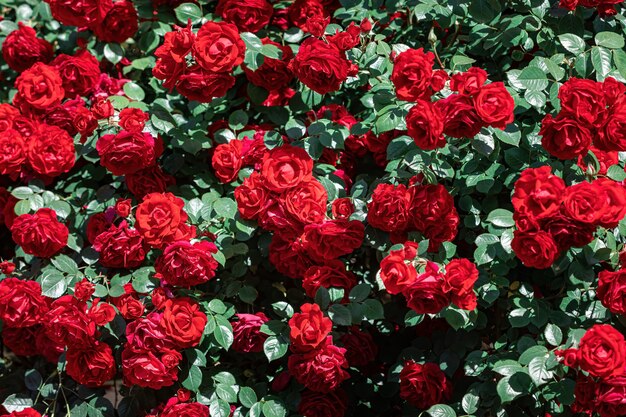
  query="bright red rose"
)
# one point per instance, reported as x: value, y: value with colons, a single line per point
x: 133, y: 119
x: 27, y: 412
x: 251, y: 196
x: 535, y: 249
x: 426, y: 295
x: 396, y: 270
x: 40, y: 234
x: 342, y: 208
x: 424, y: 385
x: 606, y: 159
x: 306, y: 202
x: 203, y: 85
x: 468, y: 82
x: 51, y: 151
x: 602, y: 351
x: 218, y: 47
x: 185, y: 410
x: 303, y: 12
x: 494, y: 105
x: 148, y: 333
x: 308, y: 329
x: 361, y: 349
x: 160, y: 219
x: 102, y: 108
x: 22, y: 49
x: 21, y: 340
x: 333, y: 238
x: 611, y: 290
x: 331, y: 275
x: 273, y: 74
x: 320, y: 370
x: 460, y: 119
x: 285, y: 167
x: 315, y: 404
x: 248, y: 16
x: 128, y: 152
x: 585, y: 202
x: 583, y: 100
x: 12, y: 152
x: 67, y: 323
x: 177, y: 45
x: 183, y: 322
x: 458, y: 282
x: 320, y: 66
x: 538, y: 193
x: 8, y: 114
x: 80, y: 73
x: 247, y: 332
x: 50, y: 349
x: 84, y: 122
x: 430, y: 204
x: 185, y: 264
x: 150, y: 369
x: 101, y: 313
x: 227, y: 160
x: 564, y: 138
x: 91, y: 367
x: 412, y: 72
x: 119, y: 23
x: 424, y: 124
x: 612, y: 135
x: 21, y: 303
x: 615, y: 208
x: 78, y: 12
x: 83, y: 290
x: 120, y: 247
x: 149, y: 180
x: 389, y: 208
x: 40, y: 86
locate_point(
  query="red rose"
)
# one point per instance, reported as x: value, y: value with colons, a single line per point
x: 97, y: 223
x: 128, y: 152
x: 80, y: 73
x: 613, y: 90
x: 147, y: 181
x: 396, y: 270
x: 51, y: 151
x: 120, y: 247
x: 185, y: 410
x: 289, y: 256
x: 585, y: 202
x: 22, y: 49
x: 458, y: 282
x: 12, y: 152
x: 426, y: 295
x: 91, y: 367
x: 442, y: 231
x: 606, y: 159
x: 248, y: 16
x: 315, y: 404
x: 615, y: 207
x: 218, y: 47
x: 272, y: 74
x: 612, y: 136
x: 303, y: 12
x: 333, y: 238
x: 133, y: 119
x: 494, y: 105
x: 306, y: 202
x: 50, y: 349
x: 102, y: 108
x: 468, y: 82
x: 247, y: 332
x: 460, y: 119
x: 361, y: 349
x: 285, y: 167
x: 538, y: 193
x: 40, y: 86
x: 83, y: 290
x: 342, y: 208
x: 535, y: 249
x: 149, y: 333
x: 78, y: 12
x: 185, y: 264
x: 21, y: 303
x: 309, y: 328
x: 320, y: 66
x: 227, y: 160
x: 67, y: 323
x: 119, y: 23
x: 21, y: 340
x: 251, y: 196
x: 320, y: 370
x: 331, y: 275
x: 177, y: 45
x: 123, y: 207
x: 183, y: 322
x: 424, y: 125
x: 602, y: 351
x: 583, y: 100
x: 412, y: 72
x: 424, y: 385
x: 8, y: 114
x: 150, y: 369
x: 27, y: 412
x: 568, y: 232
x: 40, y: 234
x: 202, y: 85
x: 609, y: 396
x: 102, y: 313
x: 563, y: 137
x: 389, y: 208
x: 612, y: 290
x: 160, y: 219
x: 84, y: 122
x: 430, y: 204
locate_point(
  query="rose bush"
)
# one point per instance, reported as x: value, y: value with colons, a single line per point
x: 315, y: 208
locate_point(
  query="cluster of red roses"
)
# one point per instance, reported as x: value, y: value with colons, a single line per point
x: 591, y: 112
x: 460, y: 115
x: 424, y: 385
x: 551, y: 217
x: 602, y: 355
x: 426, y: 208
x: 604, y: 7
x: 111, y: 21
x: 430, y: 290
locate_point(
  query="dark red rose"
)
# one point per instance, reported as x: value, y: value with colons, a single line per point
x: 289, y: 256
x: 611, y: 136
x: 442, y: 231
x: 535, y: 249
x: 315, y: 404
x: 583, y: 100
x: 150, y: 369
x: 149, y: 180
x: 148, y: 333
x: 285, y: 167
x: 128, y: 152
x: 67, y: 323
x: 306, y: 202
x: 160, y: 219
x: 424, y: 385
x: 302, y: 12
x: 21, y: 340
x: 40, y: 86
x: 248, y: 16
x: 12, y: 152
x: 494, y: 105
x: 538, y: 193
x: 602, y: 351
x: 389, y: 208
x: 585, y: 202
x: 342, y: 208
x: 185, y: 410
x: 102, y: 108
x: 120, y: 247
x: 397, y: 271
x: 218, y: 47
x: 460, y: 119
x: 426, y: 295
x: 308, y: 329
x: 361, y: 349
x: 40, y: 234
x: 564, y: 137
x: 123, y: 207
x: 613, y: 90
x: 91, y: 367
x: 320, y: 370
x: 202, y: 85
x: 247, y: 332
x: 331, y: 275
x: 84, y: 122
x: 78, y: 12
x: 183, y: 322
x: 611, y: 290
x: 568, y: 232
x: 273, y: 74
x: 333, y: 238
x: 468, y: 82
x: 227, y: 160
x: 80, y: 73
x: 8, y: 114
x: 50, y: 349
x: 424, y: 125
x: 185, y: 264
x: 97, y: 223
x: 429, y: 205
x: 83, y: 290
x: 22, y: 49
x: 119, y: 23
x: 412, y: 72
x: 615, y: 207
x: 21, y: 303
x: 51, y: 151
x: 606, y: 159
x: 133, y: 119
x: 458, y: 282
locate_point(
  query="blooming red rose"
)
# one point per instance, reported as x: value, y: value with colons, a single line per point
x: 612, y: 135
x: 606, y: 159
x: 185, y: 264
x: 118, y: 24
x: 150, y: 369
x: 396, y: 270
x: 248, y: 16
x: 120, y: 247
x: 67, y: 323
x: 309, y: 328
x: 568, y: 232
x: 177, y: 45
x: 285, y: 167
x: 80, y: 73
x: 21, y: 340
x: 27, y: 412
x: 84, y: 122
x: 468, y: 82
x: 50, y: 349
x: 22, y: 48
x: 21, y: 303
x: 538, y: 193
x: 564, y: 137
x: 247, y: 332
x: 424, y: 124
x: 303, y: 13
x: 12, y: 152
x: 289, y: 256
x: 583, y: 100
x: 320, y: 370
x: 460, y: 119
x: 426, y: 295
x: 202, y: 85
x: 128, y: 152
x: 602, y: 351
x: 320, y: 66
x: 227, y: 160
x: 51, y: 151
x: 8, y: 114
x: 342, y: 208
x: 430, y: 204
x: 458, y: 281
x: 251, y: 196
x: 78, y: 12
x: 160, y: 219
x: 316, y: 404
x: 585, y: 202
x: 333, y: 238
x: 92, y: 367
x: 40, y: 234
x: 412, y: 72
x: 149, y: 180
x: 611, y: 290
x: 615, y: 207
x: 535, y: 249
x: 185, y: 410
x: 306, y: 202
x: 133, y: 119
x: 494, y: 105
x: 424, y: 385
x: 218, y: 47
x: 183, y: 322
x: 40, y: 86
x: 102, y: 108
x: 149, y: 333
x: 97, y: 223
x: 83, y: 290
x: 389, y: 208
x: 331, y: 275
x: 361, y: 349
x: 273, y: 74
x: 101, y: 313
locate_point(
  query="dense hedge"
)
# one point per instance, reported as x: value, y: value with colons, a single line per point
x: 316, y: 208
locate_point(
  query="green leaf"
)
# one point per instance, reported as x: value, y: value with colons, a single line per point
x: 22, y: 193
x: 65, y: 264
x: 113, y: 52
x: 340, y: 315
x: 247, y: 397
x: 538, y: 371
x: 53, y: 283
x: 223, y: 332
x: 601, y: 61
x: 219, y: 408
x: 16, y: 402
x: 501, y: 218
x: 616, y: 173
x: 441, y: 410
x: 514, y: 386
x: 252, y: 41
x: 553, y: 334
x: 484, y: 11
x: 134, y: 91
x: 225, y: 207
x: 274, y: 408
x: 274, y: 348
x: 470, y: 403
x: 188, y: 11
x: 610, y: 40
x: 533, y: 78
x: 573, y: 43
